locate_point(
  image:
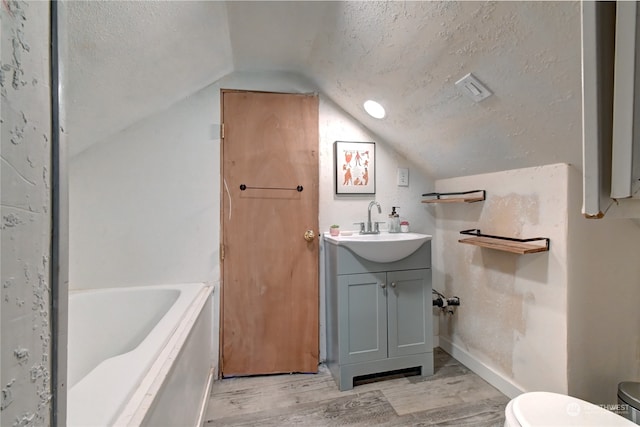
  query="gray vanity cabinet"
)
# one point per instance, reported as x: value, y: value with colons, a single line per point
x: 379, y: 315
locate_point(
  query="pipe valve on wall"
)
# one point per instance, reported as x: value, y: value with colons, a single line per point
x: 446, y: 304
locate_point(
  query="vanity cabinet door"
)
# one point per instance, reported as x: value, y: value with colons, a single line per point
x: 409, y: 310
x: 362, y: 317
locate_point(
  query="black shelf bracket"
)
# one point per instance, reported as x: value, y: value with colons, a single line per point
x: 461, y: 193
x: 477, y: 233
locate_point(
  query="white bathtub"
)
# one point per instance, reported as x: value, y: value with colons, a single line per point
x: 125, y: 344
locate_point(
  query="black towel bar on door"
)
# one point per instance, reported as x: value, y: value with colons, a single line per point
x: 243, y: 187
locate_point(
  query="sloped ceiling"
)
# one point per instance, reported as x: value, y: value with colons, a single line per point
x: 124, y: 61
x: 127, y: 60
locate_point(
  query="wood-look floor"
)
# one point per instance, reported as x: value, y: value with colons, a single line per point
x: 453, y: 396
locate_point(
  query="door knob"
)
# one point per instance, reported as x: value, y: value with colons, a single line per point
x: 383, y: 285
x: 393, y: 284
x: 309, y: 235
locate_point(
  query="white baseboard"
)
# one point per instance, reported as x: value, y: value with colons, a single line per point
x: 488, y: 374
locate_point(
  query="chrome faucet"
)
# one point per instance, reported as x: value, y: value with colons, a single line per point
x: 369, y: 229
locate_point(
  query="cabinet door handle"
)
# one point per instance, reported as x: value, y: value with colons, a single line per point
x: 393, y: 284
x: 383, y: 285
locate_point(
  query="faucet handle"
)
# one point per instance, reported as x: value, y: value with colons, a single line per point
x: 376, y: 226
x: 361, y: 224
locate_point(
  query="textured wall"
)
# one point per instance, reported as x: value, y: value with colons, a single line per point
x: 26, y: 210
x: 513, y: 317
x: 564, y: 320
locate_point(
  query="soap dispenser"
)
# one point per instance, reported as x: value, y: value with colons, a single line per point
x: 394, y: 220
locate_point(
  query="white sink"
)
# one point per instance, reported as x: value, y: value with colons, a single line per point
x: 383, y: 247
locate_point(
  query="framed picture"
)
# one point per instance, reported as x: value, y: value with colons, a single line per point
x: 355, y: 167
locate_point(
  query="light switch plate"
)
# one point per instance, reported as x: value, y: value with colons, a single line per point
x: 403, y: 177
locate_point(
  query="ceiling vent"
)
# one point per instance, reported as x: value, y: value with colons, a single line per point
x: 470, y: 86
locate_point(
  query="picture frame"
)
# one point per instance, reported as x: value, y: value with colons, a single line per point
x: 355, y: 167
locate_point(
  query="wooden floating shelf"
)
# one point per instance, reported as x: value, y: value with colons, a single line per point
x: 455, y: 200
x: 501, y: 245
x: 506, y: 244
x: 467, y: 197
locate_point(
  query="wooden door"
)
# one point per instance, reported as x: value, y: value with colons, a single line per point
x: 270, y: 295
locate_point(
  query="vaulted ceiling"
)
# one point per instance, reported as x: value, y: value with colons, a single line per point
x: 123, y: 61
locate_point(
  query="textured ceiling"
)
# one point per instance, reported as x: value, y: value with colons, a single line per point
x: 126, y: 60
x: 129, y: 59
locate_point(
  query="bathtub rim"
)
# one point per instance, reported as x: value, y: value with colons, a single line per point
x: 141, y: 401
x: 182, y: 295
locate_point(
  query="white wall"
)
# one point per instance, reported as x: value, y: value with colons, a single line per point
x: 145, y: 204
x: 512, y: 322
x: 342, y: 209
x: 26, y: 214
x: 603, y: 302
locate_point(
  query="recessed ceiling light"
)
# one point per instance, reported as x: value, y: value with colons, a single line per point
x: 374, y: 109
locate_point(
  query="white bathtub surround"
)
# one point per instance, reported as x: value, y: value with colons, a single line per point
x: 124, y: 346
x: 176, y: 389
x: 185, y: 386
x: 513, y: 316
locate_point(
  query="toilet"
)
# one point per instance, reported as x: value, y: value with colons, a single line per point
x: 629, y: 398
x: 537, y: 409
